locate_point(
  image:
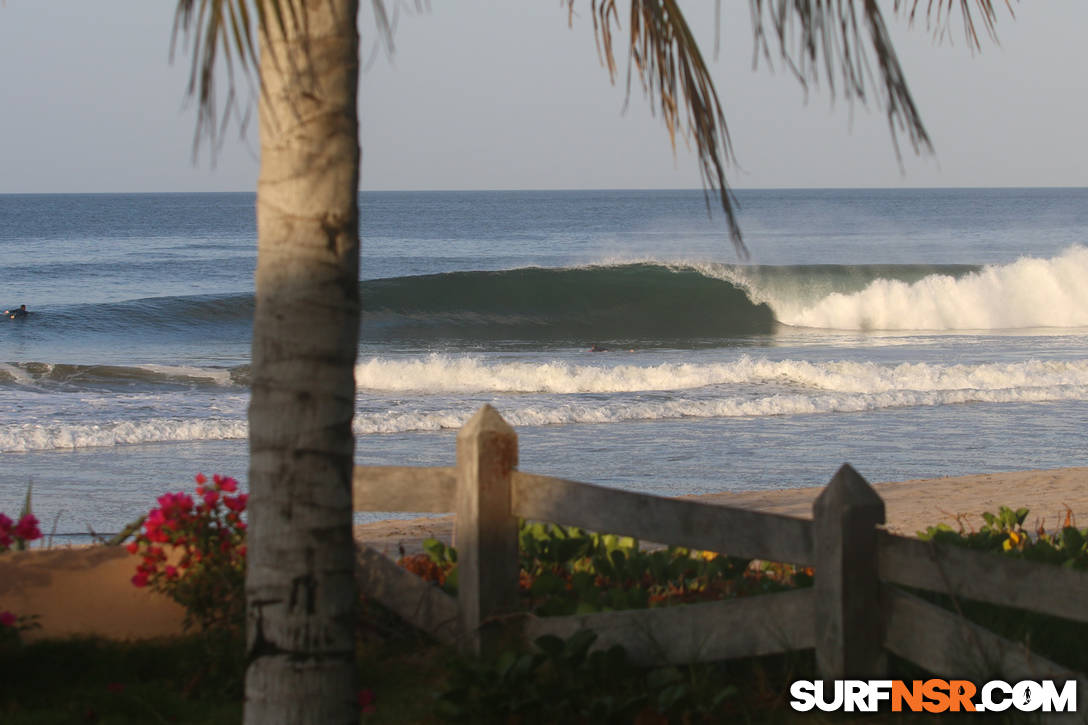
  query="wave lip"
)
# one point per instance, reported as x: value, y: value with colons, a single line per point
x: 647, y: 303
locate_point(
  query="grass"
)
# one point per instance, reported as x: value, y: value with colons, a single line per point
x: 197, y: 678
x: 91, y: 680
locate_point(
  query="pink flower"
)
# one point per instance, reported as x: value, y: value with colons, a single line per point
x: 140, y: 579
x: 210, y: 497
x: 5, y: 523
x: 201, y: 479
x: 133, y: 546
x: 7, y: 619
x: 228, y: 484
x: 27, y: 528
x: 236, y: 503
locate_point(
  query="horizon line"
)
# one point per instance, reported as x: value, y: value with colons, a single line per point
x: 568, y: 189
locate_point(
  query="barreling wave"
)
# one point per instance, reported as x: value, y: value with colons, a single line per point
x: 644, y: 304
x: 681, y: 304
x: 631, y: 302
x: 166, y: 315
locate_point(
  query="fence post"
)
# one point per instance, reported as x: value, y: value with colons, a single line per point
x: 485, y: 533
x: 848, y: 621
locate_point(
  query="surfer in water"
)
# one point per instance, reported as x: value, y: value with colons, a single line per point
x: 17, y: 314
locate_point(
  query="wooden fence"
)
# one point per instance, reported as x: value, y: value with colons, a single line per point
x: 854, y: 613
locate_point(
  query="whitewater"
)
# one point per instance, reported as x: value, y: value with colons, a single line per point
x: 914, y: 333
x: 1028, y: 293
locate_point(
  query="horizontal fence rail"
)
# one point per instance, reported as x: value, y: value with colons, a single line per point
x: 707, y: 632
x: 404, y: 488
x: 983, y: 576
x: 735, y: 531
x: 852, y: 617
x: 724, y: 529
x: 946, y: 644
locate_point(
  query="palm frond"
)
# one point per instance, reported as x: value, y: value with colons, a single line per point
x: 840, y: 41
x: 672, y: 72
x: 939, y: 13
x: 214, y: 29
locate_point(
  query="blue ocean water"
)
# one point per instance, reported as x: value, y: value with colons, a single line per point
x: 914, y: 333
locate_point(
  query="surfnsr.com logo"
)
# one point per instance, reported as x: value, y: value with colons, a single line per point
x: 933, y: 696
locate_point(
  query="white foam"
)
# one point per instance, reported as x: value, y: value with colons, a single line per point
x: 54, y: 436
x: 439, y: 392
x: 1028, y: 293
x: 730, y: 407
x: 219, y: 376
x: 451, y: 374
x: 15, y: 374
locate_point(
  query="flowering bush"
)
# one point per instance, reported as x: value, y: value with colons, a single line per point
x: 12, y: 625
x: 193, y: 550
x: 18, y: 534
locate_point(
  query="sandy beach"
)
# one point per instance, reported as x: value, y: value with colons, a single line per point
x: 911, y: 506
x: 48, y: 582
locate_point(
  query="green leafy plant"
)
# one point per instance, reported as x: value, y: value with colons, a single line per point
x: 567, y: 681
x: 566, y: 570
x: 193, y: 550
x: 1004, y: 532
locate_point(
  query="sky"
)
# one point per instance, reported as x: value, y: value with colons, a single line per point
x: 496, y: 94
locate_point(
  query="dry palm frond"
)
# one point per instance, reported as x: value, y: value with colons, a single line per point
x: 213, y: 26
x: 675, y: 77
x: 938, y: 15
x: 843, y: 42
x: 226, y: 28
x: 840, y: 41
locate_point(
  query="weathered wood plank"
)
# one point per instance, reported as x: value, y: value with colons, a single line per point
x: 847, y: 605
x: 984, y: 576
x: 745, y: 627
x: 420, y: 603
x: 404, y: 488
x: 946, y: 644
x: 727, y: 530
x: 485, y: 533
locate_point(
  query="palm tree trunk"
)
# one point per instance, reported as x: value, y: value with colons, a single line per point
x: 299, y: 583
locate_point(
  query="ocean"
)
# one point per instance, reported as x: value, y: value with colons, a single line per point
x: 913, y: 333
